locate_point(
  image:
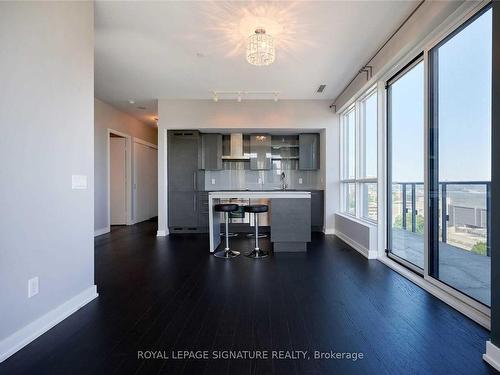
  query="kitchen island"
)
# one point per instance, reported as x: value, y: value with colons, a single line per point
x: 290, y: 217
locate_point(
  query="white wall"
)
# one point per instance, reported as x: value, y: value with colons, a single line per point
x: 252, y: 114
x: 107, y: 117
x: 46, y: 118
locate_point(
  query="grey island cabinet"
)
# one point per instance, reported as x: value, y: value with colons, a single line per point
x: 290, y: 224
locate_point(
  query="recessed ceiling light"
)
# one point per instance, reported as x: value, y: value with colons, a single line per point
x: 131, y: 101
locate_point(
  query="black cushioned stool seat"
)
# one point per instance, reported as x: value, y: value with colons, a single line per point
x: 229, y: 207
x: 256, y: 208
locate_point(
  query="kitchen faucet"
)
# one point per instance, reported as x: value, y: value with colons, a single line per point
x: 283, y: 181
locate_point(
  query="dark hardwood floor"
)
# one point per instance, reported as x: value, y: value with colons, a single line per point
x: 170, y: 294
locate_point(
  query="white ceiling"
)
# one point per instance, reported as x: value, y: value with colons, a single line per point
x: 186, y: 49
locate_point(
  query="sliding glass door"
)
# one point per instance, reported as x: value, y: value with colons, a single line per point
x: 460, y: 158
x: 405, y: 169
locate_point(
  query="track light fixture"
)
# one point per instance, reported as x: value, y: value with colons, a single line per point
x: 247, y: 94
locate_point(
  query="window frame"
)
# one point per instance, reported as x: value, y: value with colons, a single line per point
x: 471, y: 308
x: 359, y: 180
x: 419, y: 58
x: 432, y: 173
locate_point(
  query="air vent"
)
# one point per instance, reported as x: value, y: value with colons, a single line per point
x: 321, y: 88
x: 141, y: 107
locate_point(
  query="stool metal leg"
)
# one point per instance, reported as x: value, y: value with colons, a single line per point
x: 257, y: 252
x: 252, y: 235
x: 226, y: 253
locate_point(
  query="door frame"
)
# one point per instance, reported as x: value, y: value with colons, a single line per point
x: 128, y: 177
x: 134, y: 176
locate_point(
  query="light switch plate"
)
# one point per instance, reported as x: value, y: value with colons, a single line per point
x: 213, y: 181
x: 32, y: 287
x: 78, y: 181
x: 300, y: 180
x: 260, y: 180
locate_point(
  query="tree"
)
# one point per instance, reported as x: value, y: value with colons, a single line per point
x: 419, y: 222
x: 480, y: 248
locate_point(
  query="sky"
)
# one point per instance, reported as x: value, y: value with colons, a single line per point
x: 464, y: 102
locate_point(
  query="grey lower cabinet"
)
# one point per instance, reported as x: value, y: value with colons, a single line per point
x: 309, y: 151
x: 211, y: 152
x: 317, y: 210
x: 260, y: 151
x: 182, y: 210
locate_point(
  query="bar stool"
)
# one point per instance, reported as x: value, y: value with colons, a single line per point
x: 226, y: 208
x: 256, y: 209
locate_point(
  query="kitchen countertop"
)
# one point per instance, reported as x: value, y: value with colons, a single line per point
x: 263, y: 190
x: 259, y: 194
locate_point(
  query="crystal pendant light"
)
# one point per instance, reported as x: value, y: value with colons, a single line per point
x: 260, y: 48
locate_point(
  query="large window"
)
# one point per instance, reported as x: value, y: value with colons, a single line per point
x: 359, y: 157
x: 460, y: 158
x: 405, y: 159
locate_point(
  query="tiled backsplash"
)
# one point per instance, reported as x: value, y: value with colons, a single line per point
x: 241, y: 179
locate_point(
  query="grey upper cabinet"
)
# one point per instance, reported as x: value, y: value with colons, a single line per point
x: 183, y: 160
x: 211, y: 152
x: 309, y: 151
x: 260, y: 151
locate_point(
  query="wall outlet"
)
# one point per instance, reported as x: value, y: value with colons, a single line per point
x: 33, y: 287
x: 300, y: 180
x: 213, y: 181
x: 78, y: 181
x: 260, y: 181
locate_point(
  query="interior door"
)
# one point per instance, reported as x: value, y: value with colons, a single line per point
x: 118, y: 180
x: 145, y: 182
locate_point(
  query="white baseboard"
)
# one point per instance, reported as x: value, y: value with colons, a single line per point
x: 162, y: 233
x: 492, y: 355
x: 329, y: 231
x: 30, y: 332
x: 356, y: 246
x: 99, y: 232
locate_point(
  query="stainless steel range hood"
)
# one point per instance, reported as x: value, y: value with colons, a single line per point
x: 236, y: 147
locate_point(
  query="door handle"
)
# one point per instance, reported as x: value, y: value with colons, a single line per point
x: 194, y: 203
x: 194, y: 181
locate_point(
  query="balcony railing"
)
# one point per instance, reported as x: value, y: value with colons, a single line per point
x: 465, y: 216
